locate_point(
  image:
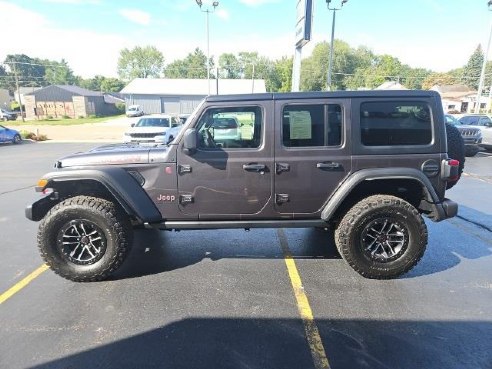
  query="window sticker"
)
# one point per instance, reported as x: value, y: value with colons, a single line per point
x: 300, y: 125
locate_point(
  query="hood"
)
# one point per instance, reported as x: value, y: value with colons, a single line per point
x: 117, y: 154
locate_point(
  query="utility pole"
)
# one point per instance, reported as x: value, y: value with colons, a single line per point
x: 215, y: 4
x: 482, y: 74
x: 330, y: 63
x: 18, y: 90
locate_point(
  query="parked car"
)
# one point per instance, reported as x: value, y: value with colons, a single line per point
x: 226, y: 128
x: 482, y: 122
x: 149, y: 127
x: 6, y: 115
x: 183, y: 118
x: 472, y: 136
x: 170, y: 134
x: 10, y: 135
x: 134, y: 111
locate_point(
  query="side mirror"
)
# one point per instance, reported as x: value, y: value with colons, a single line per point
x: 190, y: 141
x: 132, y: 125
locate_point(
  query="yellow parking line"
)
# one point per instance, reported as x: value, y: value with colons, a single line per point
x: 21, y: 284
x: 312, y: 333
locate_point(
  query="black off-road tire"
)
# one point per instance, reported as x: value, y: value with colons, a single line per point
x: 351, y: 245
x: 456, y: 150
x: 113, y: 224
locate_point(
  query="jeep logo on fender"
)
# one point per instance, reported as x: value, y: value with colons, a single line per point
x: 166, y: 198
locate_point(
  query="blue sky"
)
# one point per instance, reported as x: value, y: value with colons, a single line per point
x: 435, y: 34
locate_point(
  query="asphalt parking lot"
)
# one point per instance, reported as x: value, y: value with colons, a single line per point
x: 231, y: 299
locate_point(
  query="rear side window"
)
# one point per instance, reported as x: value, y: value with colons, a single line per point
x: 312, y: 125
x: 389, y: 123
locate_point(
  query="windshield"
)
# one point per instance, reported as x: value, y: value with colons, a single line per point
x: 153, y: 122
x: 470, y: 120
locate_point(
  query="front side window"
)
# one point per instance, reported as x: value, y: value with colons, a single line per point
x: 230, y: 128
x: 312, y: 125
x: 390, y: 123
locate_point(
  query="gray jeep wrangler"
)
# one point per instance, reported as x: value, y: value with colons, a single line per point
x: 367, y: 164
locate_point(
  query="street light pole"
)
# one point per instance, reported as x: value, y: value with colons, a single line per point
x: 330, y: 64
x: 484, y: 65
x: 215, y: 4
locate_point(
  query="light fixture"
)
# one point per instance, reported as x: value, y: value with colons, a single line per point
x: 200, y: 3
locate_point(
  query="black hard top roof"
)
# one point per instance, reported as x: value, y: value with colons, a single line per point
x: 323, y: 94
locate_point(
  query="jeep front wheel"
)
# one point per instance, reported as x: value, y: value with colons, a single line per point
x: 84, y: 238
x: 382, y: 237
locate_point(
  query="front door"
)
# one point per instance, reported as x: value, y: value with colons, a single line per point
x: 311, y: 156
x: 230, y: 174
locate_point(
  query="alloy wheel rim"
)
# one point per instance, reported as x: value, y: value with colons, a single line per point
x: 81, y: 242
x: 384, y: 239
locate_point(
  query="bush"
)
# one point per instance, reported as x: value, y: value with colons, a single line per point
x: 66, y: 117
x: 26, y: 135
x: 121, y: 108
x: 14, y: 106
x: 49, y: 117
x: 454, y: 112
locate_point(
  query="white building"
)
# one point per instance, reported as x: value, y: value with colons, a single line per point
x: 459, y: 98
x: 164, y: 95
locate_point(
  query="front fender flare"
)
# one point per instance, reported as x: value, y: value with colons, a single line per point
x: 120, y: 184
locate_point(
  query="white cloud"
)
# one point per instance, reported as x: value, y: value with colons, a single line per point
x: 136, y: 16
x: 258, y: 2
x: 87, y: 52
x: 223, y: 14
x: 74, y: 2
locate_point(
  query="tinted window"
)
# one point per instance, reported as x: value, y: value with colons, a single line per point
x: 238, y: 127
x: 312, y: 125
x: 395, y: 123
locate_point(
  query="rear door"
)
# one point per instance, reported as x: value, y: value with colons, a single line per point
x: 311, y: 154
x: 229, y: 176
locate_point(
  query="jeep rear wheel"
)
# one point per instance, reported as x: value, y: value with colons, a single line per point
x: 84, y: 238
x: 382, y: 237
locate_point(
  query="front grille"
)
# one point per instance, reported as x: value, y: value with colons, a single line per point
x: 469, y: 132
x: 143, y: 135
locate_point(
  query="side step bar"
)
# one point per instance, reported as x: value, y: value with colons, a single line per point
x: 246, y: 224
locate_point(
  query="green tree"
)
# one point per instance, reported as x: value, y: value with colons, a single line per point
x: 229, y: 66
x: 93, y: 84
x: 140, y: 62
x: 59, y: 73
x: 112, y: 85
x: 30, y: 72
x: 192, y: 66
x: 438, y: 79
x: 346, y: 61
x: 472, y: 69
x: 281, y: 79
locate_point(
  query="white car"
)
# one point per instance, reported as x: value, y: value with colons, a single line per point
x: 150, y: 128
x: 134, y: 111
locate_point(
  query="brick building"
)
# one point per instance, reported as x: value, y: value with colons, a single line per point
x: 64, y: 100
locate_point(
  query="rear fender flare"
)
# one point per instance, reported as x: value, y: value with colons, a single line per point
x: 337, y: 199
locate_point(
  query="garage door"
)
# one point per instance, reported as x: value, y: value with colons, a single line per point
x: 170, y: 105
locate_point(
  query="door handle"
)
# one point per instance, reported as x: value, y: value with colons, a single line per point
x: 254, y: 167
x: 329, y: 166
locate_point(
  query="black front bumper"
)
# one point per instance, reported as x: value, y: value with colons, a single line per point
x: 38, y: 209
